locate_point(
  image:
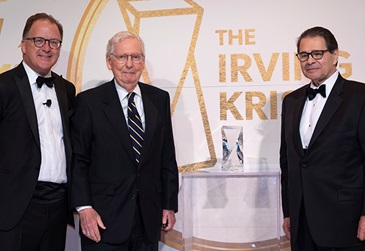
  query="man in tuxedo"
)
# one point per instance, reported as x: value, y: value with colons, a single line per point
x: 125, y: 177
x: 322, y: 152
x: 35, y: 143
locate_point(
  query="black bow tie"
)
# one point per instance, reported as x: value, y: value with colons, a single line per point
x: 48, y: 81
x: 311, y: 93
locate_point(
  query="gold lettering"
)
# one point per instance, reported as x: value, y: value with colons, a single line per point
x: 241, y: 64
x: 235, y: 68
x: 297, y: 69
x: 248, y: 36
x: 250, y: 106
x: 346, y: 66
x: 254, y: 102
x: 221, y: 33
x: 222, y: 68
x: 231, y: 37
x: 285, y: 65
x: 266, y: 74
x: 226, y: 105
x: 273, y: 105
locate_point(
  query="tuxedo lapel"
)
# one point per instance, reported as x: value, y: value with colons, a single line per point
x: 297, y: 116
x: 21, y: 80
x: 332, y: 104
x: 114, y: 112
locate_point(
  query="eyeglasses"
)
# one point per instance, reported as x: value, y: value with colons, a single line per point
x: 316, y: 54
x: 136, y: 58
x: 40, y: 42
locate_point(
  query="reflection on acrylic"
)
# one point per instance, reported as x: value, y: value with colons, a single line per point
x: 232, y: 143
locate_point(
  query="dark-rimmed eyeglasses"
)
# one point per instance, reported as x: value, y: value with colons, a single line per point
x: 40, y: 42
x: 136, y: 58
x: 316, y: 54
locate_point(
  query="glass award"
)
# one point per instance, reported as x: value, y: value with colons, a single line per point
x: 232, y: 143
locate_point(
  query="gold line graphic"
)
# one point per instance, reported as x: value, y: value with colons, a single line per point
x: 82, y: 37
x: 174, y: 239
x: 1, y: 23
x: 81, y: 40
x: 125, y: 6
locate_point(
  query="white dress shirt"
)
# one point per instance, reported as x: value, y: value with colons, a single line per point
x: 313, y: 109
x: 53, y: 163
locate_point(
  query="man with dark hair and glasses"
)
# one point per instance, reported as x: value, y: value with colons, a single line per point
x: 322, y: 152
x: 35, y: 144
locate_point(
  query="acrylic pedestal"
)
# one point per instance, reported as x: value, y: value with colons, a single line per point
x: 231, y: 211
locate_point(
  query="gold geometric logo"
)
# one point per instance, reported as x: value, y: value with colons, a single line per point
x: 135, y: 14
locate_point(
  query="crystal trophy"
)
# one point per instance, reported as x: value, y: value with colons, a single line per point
x: 232, y: 143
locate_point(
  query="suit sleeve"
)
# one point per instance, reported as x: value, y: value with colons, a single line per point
x: 81, y: 134
x: 284, y: 166
x: 170, y: 174
x: 361, y: 129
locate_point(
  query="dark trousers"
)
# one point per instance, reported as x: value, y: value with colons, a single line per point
x: 42, y: 228
x: 136, y: 242
x: 305, y: 240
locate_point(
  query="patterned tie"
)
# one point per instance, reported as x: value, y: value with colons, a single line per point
x: 135, y: 128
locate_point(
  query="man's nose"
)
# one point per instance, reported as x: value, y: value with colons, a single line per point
x: 129, y: 62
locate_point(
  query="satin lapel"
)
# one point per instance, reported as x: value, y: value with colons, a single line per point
x: 63, y: 105
x: 21, y: 80
x: 151, y: 114
x: 333, y: 103
x: 298, y: 110
x: 114, y: 112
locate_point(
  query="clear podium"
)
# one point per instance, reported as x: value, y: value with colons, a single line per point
x: 231, y: 210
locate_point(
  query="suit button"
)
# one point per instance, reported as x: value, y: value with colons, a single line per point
x: 304, y: 165
x: 133, y: 197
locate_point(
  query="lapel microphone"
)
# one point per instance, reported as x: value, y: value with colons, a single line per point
x: 48, y: 103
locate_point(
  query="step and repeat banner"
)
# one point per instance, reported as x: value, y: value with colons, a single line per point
x: 224, y: 63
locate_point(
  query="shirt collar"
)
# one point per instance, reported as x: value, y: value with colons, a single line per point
x: 330, y: 82
x: 32, y: 75
x: 123, y: 91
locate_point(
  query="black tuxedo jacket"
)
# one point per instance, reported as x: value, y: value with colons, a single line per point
x: 105, y: 173
x: 20, y: 154
x: 329, y: 176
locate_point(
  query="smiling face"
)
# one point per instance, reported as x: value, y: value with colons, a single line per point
x: 321, y: 69
x: 126, y: 73
x: 41, y: 60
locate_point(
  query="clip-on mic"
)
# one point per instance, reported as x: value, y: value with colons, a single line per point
x: 48, y: 103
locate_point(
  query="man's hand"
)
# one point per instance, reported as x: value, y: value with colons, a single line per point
x: 361, y: 229
x: 286, y: 227
x: 168, y: 220
x: 90, y: 222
